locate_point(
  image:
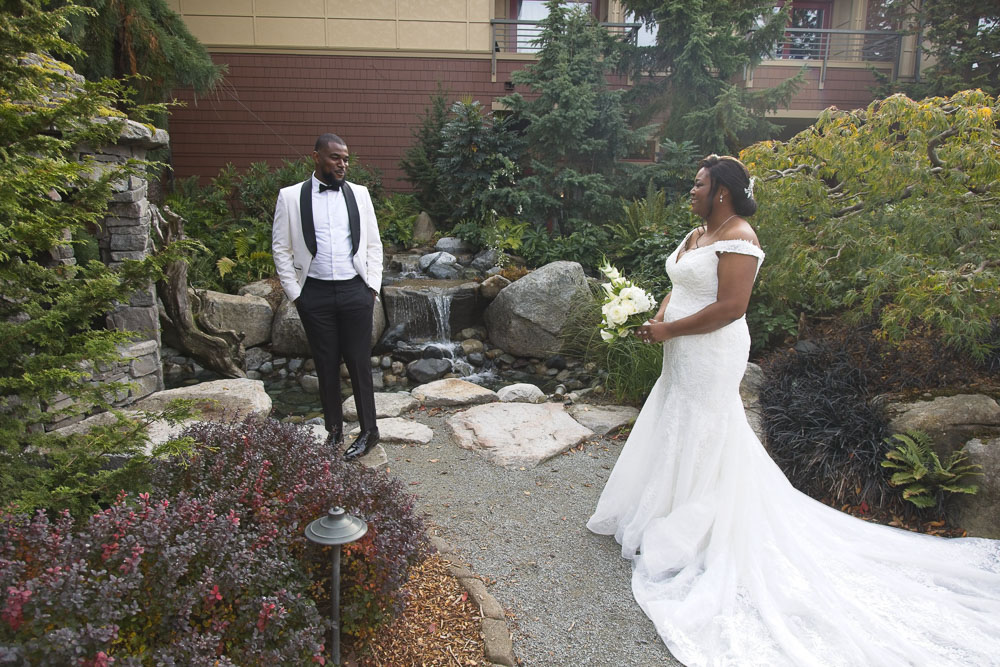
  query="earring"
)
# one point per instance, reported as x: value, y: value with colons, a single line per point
x: 720, y: 199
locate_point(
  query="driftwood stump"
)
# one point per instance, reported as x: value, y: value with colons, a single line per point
x: 218, y: 350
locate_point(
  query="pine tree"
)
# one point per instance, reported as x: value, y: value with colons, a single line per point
x: 124, y: 38
x: 420, y: 159
x: 51, y: 313
x: 701, y: 49
x: 963, y: 37
x: 576, y: 128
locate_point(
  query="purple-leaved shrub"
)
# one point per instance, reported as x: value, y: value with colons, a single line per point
x: 168, y: 582
x: 279, y: 474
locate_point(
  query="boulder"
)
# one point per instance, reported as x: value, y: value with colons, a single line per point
x: 485, y: 260
x: 517, y: 433
x: 527, y: 316
x: 216, y: 399
x: 387, y: 404
x: 602, y: 419
x: 522, y: 392
x: 979, y: 514
x: 452, y: 391
x: 426, y: 370
x: 423, y: 228
x: 491, y: 287
x: 248, y: 315
x: 287, y: 335
x: 438, y: 258
x: 453, y: 245
x: 950, y: 421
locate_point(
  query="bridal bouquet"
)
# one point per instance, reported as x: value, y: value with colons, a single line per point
x: 625, y: 305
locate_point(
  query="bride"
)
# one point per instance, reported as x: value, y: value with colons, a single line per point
x: 732, y: 564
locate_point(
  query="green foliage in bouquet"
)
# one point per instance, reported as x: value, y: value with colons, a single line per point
x: 920, y: 473
x: 889, y: 213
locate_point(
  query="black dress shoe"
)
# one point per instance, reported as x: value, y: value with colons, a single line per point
x: 336, y: 439
x: 362, y: 445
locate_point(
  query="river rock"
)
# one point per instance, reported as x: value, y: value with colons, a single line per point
x: 522, y: 392
x: 287, y: 335
x: 527, y: 316
x: 517, y: 433
x: 452, y: 391
x: 215, y: 399
x: 485, y: 260
x: 423, y: 228
x: 979, y: 514
x: 387, y: 404
x: 491, y: 287
x: 401, y: 431
x: 427, y: 370
x: 602, y: 419
x: 453, y: 245
x: 949, y: 420
x: 249, y: 315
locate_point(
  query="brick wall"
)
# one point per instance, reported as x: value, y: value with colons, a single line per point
x: 272, y: 107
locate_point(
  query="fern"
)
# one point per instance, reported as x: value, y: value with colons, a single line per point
x: 920, y: 472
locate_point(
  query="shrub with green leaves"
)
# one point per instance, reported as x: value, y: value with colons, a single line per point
x: 232, y: 217
x: 923, y: 477
x: 397, y: 214
x: 889, y: 213
x: 279, y: 474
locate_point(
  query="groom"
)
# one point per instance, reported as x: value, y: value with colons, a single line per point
x: 328, y: 255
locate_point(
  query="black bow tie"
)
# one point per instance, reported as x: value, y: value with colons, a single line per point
x: 323, y: 187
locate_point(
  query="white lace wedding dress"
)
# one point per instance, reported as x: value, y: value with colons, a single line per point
x: 736, y: 567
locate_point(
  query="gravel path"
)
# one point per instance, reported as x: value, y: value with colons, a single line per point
x: 567, y: 592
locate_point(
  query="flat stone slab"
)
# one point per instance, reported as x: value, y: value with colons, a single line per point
x: 602, y: 419
x: 387, y: 404
x: 452, y: 391
x: 517, y: 433
x: 401, y: 431
x: 214, y: 399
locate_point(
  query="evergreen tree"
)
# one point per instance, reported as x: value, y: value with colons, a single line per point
x: 51, y: 325
x: 420, y: 159
x: 125, y: 38
x: 701, y: 49
x: 963, y: 37
x: 575, y: 127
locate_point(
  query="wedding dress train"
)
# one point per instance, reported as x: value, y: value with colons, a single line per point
x: 736, y: 567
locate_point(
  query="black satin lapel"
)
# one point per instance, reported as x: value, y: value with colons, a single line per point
x: 306, y: 214
x: 353, y: 217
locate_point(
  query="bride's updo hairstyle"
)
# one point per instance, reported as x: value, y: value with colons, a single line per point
x: 729, y: 172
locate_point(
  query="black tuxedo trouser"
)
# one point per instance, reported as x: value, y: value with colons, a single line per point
x: 337, y: 318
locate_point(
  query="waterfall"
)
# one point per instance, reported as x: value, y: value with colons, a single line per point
x: 441, y: 309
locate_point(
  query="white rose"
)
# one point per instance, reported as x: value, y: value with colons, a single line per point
x: 606, y: 335
x: 615, y: 312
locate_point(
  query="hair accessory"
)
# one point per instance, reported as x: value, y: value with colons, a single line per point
x: 749, y: 188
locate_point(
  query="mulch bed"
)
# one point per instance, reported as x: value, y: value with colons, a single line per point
x: 440, y: 625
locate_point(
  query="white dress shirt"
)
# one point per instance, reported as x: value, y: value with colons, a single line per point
x: 333, y: 235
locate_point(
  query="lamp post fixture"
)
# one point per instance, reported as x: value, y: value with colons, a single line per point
x: 336, y: 528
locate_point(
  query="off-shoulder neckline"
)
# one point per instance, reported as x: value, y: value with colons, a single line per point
x: 682, y: 251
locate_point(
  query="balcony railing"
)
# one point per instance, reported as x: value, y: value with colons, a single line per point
x: 510, y: 36
x: 851, y: 46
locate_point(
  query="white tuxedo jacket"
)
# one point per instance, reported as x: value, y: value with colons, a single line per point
x: 293, y: 236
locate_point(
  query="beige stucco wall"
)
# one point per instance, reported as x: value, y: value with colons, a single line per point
x: 406, y: 25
